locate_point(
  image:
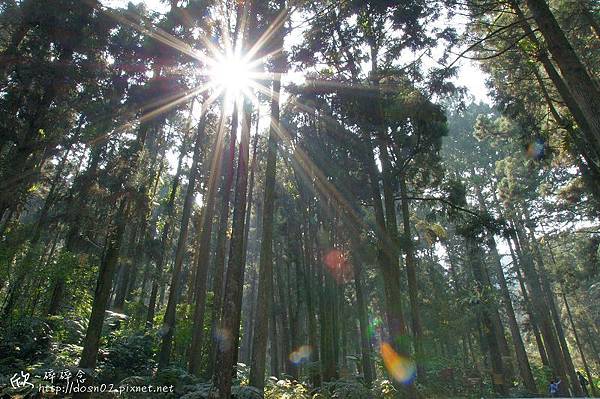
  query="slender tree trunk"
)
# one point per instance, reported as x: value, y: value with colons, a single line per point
x: 283, y: 314
x: 245, y: 345
x: 389, y: 269
x: 219, y: 260
x: 164, y: 242
x: 170, y: 312
x: 315, y: 375
x: 123, y: 281
x: 411, y: 274
x: 273, y: 335
x: 551, y: 344
x: 581, y: 85
x: 103, y: 287
x: 522, y: 359
x: 568, y: 361
x: 590, y: 338
x: 265, y: 265
x: 232, y: 300
x: 365, y: 343
x: 204, y: 248
x: 527, y: 303
x: 328, y: 359
x: 579, y: 347
x: 488, y: 334
x: 248, y: 317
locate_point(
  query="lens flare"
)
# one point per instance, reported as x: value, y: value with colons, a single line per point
x: 223, y: 338
x: 401, y: 368
x: 536, y: 149
x: 338, y: 266
x: 301, y: 355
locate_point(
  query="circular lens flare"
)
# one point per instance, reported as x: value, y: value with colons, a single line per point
x: 301, y: 355
x: 338, y: 265
x: 403, y: 369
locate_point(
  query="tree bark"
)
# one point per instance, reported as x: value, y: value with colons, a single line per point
x: 234, y: 283
x: 517, y: 260
x: 219, y: 260
x: 204, y: 248
x: 265, y: 266
x: 579, y: 347
x: 170, y: 312
x: 521, y: 353
x: 164, y: 242
x: 273, y: 335
x: 123, y: 281
x: 567, y: 360
x: 551, y: 344
x: 245, y: 345
x: 365, y: 343
x: 411, y: 276
x: 91, y: 341
x: 315, y: 376
x: 581, y: 85
x: 488, y: 333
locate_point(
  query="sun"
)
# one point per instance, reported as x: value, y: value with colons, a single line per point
x: 232, y: 74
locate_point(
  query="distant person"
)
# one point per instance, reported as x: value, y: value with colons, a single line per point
x: 584, y: 383
x: 554, y: 387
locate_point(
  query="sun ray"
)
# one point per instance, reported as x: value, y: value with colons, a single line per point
x: 266, y: 35
x: 165, y: 106
x: 326, y: 189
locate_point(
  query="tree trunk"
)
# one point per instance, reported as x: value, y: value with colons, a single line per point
x: 385, y: 256
x: 590, y: 337
x: 272, y: 331
x: 411, y: 276
x: 551, y: 343
x: 283, y: 314
x: 204, y: 248
x: 232, y: 300
x: 103, y: 287
x: 219, y: 260
x: 580, y: 348
x: 522, y: 359
x: 315, y: 375
x: 567, y: 360
x: 488, y: 334
x: 169, y: 318
x: 164, y: 242
x: 123, y: 281
x: 265, y: 265
x: 581, y: 86
x: 527, y: 303
x: 245, y: 345
x: 363, y: 319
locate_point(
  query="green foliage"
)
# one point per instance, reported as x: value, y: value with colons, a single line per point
x: 286, y: 389
x: 23, y: 343
x: 347, y: 389
x: 542, y: 375
x: 125, y: 355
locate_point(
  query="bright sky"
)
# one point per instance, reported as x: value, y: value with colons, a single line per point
x: 469, y: 76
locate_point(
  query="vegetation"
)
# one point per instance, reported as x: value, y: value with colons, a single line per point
x: 297, y: 199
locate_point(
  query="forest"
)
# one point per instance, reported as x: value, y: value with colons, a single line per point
x: 299, y: 199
